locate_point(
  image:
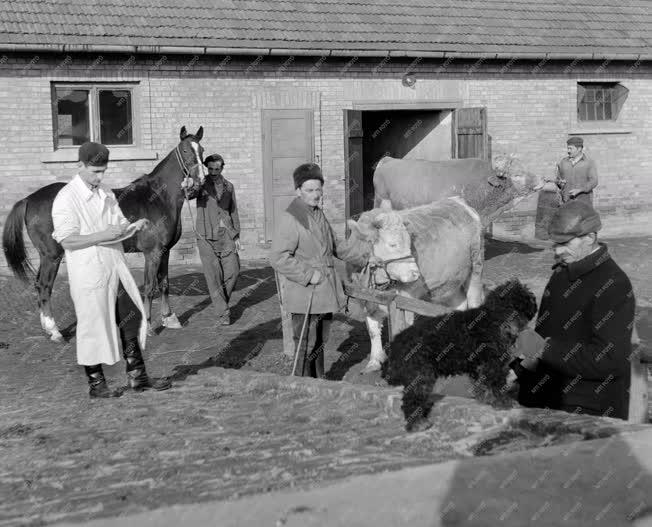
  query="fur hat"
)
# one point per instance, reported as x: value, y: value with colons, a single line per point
x: 576, y: 141
x: 573, y: 219
x: 306, y: 172
x: 94, y: 154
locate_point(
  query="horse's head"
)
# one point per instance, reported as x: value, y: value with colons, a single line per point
x: 190, y: 154
x: 385, y: 229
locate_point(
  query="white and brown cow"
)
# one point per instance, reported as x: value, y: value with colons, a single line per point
x: 439, y: 245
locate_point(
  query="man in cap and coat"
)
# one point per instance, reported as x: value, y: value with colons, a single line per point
x: 575, y: 178
x: 586, y: 317
x: 110, y: 314
x: 577, y: 175
x: 218, y: 226
x: 303, y: 248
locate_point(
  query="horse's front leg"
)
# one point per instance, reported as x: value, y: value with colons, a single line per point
x: 149, y: 288
x: 168, y: 318
x: 377, y: 355
x: 47, y: 272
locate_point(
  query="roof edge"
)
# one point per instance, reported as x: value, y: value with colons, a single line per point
x: 201, y: 50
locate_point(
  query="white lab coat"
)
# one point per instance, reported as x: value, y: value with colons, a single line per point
x: 94, y: 273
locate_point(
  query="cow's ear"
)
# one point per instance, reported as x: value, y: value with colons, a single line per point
x: 409, y: 226
x: 386, y: 205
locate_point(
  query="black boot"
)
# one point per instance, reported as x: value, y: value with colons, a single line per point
x: 97, y: 383
x: 136, y: 372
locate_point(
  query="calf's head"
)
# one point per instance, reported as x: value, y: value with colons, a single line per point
x: 385, y: 229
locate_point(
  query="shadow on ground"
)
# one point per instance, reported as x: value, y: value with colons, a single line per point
x: 258, y: 280
x: 494, y: 248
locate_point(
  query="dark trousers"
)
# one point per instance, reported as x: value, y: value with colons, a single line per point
x: 221, y: 266
x: 539, y: 389
x: 310, y: 362
x: 128, y: 317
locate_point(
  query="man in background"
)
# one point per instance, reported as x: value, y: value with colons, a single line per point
x: 218, y: 226
x: 577, y: 175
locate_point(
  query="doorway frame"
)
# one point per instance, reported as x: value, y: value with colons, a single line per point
x: 389, y: 105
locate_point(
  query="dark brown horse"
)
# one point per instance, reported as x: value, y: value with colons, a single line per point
x: 157, y: 196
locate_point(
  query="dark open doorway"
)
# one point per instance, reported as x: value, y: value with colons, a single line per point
x: 432, y: 134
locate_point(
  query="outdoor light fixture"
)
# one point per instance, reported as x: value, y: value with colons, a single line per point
x: 409, y: 80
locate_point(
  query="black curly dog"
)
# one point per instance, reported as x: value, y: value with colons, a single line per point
x: 476, y: 342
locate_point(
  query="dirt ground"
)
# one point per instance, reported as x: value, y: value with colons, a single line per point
x: 63, y: 456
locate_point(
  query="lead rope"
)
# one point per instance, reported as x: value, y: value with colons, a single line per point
x: 186, y: 174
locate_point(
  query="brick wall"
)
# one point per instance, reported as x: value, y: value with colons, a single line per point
x: 531, y: 109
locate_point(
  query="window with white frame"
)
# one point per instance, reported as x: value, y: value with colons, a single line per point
x: 600, y: 101
x: 98, y: 112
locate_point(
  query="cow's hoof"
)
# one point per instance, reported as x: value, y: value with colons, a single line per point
x: 171, y: 322
x: 150, y: 330
x: 55, y: 336
x: 372, y: 365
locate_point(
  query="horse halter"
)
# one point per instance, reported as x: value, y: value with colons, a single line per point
x: 182, y: 164
x: 186, y: 175
x: 370, y: 271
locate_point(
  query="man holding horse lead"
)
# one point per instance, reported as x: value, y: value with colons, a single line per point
x: 89, y: 225
x: 218, y: 229
x: 302, y: 253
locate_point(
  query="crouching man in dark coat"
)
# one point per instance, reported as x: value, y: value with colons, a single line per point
x: 302, y: 253
x: 586, y: 317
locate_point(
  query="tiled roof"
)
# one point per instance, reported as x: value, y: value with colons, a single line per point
x: 539, y: 27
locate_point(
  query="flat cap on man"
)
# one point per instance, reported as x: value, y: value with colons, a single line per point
x: 93, y: 154
x: 572, y: 220
x: 576, y: 141
x: 306, y: 172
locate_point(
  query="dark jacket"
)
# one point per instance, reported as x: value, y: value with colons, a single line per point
x: 587, y: 313
x: 304, y: 241
x: 215, y: 204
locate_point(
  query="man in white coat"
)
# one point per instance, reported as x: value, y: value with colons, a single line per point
x: 89, y: 225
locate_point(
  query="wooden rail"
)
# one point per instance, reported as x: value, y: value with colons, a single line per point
x: 397, y: 306
x: 638, y: 389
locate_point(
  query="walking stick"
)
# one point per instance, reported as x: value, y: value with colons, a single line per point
x: 286, y: 322
x: 303, y: 328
